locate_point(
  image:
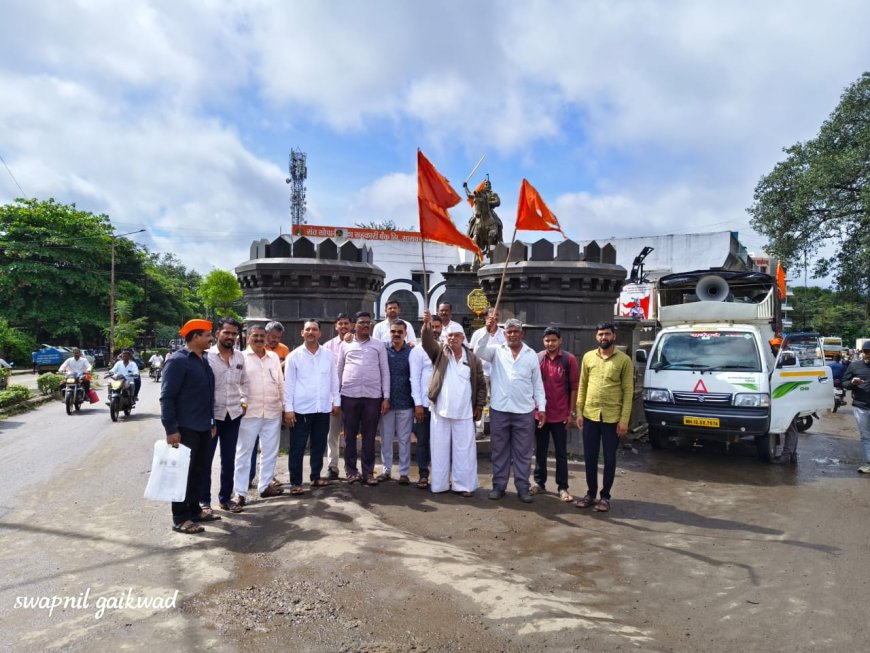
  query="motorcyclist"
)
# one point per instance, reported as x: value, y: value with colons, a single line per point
x: 78, y: 364
x: 837, y: 368
x: 129, y: 370
x: 155, y: 361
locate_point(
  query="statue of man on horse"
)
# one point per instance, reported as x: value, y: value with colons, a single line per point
x: 484, y: 227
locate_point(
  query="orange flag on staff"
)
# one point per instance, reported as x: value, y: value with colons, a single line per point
x: 435, y: 196
x: 532, y: 212
x: 780, y: 280
x: 477, y: 189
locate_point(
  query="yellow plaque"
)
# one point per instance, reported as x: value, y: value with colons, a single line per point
x: 710, y: 422
x: 477, y: 301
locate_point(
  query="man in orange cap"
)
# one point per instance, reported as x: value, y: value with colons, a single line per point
x: 187, y: 414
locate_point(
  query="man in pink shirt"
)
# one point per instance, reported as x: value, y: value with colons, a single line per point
x: 364, y: 385
x: 264, y: 390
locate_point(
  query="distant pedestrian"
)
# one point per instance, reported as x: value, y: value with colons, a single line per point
x: 264, y: 391
x: 604, y: 401
x: 457, y: 393
x: 310, y: 399
x: 561, y: 376
x: 517, y: 390
x: 398, y: 422
x: 421, y: 375
x: 333, y: 442
x: 364, y: 384
x: 187, y: 415
x: 228, y: 366
x: 857, y: 379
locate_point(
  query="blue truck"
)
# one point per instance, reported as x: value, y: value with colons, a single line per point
x: 48, y: 359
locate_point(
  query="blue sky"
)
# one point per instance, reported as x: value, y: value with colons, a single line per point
x: 631, y: 118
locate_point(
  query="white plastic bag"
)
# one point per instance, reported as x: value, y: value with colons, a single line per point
x: 168, y: 480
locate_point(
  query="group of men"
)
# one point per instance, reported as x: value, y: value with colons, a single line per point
x: 380, y: 377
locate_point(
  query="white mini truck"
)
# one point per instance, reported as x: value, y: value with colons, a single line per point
x: 711, y: 373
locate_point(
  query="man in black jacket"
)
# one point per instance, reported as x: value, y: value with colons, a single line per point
x: 857, y: 379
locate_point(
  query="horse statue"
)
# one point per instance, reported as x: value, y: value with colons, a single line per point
x: 484, y: 227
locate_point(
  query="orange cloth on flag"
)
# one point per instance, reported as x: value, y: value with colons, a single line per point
x: 435, y: 196
x: 533, y: 214
x: 477, y: 189
x: 780, y: 280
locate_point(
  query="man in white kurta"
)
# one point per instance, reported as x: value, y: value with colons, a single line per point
x: 456, y: 393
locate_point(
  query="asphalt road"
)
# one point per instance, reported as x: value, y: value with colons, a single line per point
x: 705, y: 549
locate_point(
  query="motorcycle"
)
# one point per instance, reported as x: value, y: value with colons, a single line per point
x: 120, y: 397
x: 74, y: 391
x: 839, y: 395
x: 155, y: 371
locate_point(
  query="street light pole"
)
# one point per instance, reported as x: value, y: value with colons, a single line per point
x: 112, y: 293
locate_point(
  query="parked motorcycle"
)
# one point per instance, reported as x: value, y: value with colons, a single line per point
x: 155, y: 371
x: 120, y: 397
x: 839, y: 395
x: 74, y: 391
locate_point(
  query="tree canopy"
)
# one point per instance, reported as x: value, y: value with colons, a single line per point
x: 829, y: 313
x: 219, y: 293
x: 815, y: 205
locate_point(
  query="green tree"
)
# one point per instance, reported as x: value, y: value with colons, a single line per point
x: 829, y: 313
x: 815, y: 205
x: 127, y: 329
x: 171, y: 296
x: 16, y: 344
x: 383, y: 225
x: 220, y: 294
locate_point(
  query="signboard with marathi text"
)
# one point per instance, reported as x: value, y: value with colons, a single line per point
x: 355, y: 233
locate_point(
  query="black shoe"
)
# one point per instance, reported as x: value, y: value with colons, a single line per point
x: 332, y: 475
x: 496, y: 493
x: 525, y: 497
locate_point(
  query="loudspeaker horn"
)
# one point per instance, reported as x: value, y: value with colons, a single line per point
x: 712, y: 289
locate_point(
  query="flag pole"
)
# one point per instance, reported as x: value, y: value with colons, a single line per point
x: 504, y: 269
x: 425, y: 274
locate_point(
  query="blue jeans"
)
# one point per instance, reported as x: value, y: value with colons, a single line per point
x: 227, y: 436
x: 313, y: 426
x: 598, y: 435
x: 862, y: 416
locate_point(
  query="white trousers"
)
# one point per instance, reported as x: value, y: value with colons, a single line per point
x: 397, y: 424
x: 454, y: 453
x: 333, y: 441
x: 269, y: 432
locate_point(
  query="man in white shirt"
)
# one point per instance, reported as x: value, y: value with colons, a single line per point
x: 457, y: 394
x: 498, y: 338
x: 129, y: 370
x: 445, y: 312
x: 421, y: 373
x: 77, y: 364
x: 381, y: 330
x: 156, y: 359
x: 228, y: 366
x: 310, y: 398
x: 333, y: 440
x: 517, y: 389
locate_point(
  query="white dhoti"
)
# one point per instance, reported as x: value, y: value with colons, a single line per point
x: 454, y: 453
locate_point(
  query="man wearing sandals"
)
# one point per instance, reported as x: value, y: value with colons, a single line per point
x: 603, y: 411
x: 457, y: 394
x: 561, y: 376
x: 187, y: 415
x: 333, y: 441
x: 364, y: 384
x: 517, y: 391
x: 421, y: 374
x: 398, y: 421
x: 310, y: 399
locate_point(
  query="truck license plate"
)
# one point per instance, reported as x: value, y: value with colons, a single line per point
x: 711, y: 422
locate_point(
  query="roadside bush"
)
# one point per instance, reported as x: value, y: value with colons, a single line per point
x: 14, y: 394
x: 15, y: 344
x: 49, y: 383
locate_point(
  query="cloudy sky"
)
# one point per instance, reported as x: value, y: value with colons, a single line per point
x: 630, y: 117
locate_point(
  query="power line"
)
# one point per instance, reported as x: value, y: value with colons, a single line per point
x: 23, y: 194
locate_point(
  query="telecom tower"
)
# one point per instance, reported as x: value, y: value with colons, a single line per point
x: 298, y: 173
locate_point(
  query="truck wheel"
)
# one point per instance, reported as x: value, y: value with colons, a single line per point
x: 766, y: 445
x: 803, y: 423
x: 69, y: 403
x: 658, y: 438
x: 113, y: 408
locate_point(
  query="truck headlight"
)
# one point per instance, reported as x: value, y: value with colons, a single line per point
x: 658, y: 395
x: 752, y: 399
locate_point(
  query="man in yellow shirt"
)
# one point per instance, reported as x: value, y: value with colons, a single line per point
x: 603, y: 411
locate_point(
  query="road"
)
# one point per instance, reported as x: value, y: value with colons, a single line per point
x: 704, y: 549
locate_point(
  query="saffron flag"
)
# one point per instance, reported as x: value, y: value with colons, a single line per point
x: 477, y: 189
x: 780, y: 280
x: 435, y: 196
x: 533, y: 214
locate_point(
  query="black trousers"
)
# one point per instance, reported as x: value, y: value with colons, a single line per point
x: 559, y: 432
x: 424, y: 455
x: 198, y: 443
x: 598, y: 436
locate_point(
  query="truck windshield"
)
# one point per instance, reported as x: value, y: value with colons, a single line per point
x: 706, y: 351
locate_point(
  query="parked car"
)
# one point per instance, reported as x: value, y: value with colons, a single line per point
x: 99, y: 357
x: 87, y: 353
